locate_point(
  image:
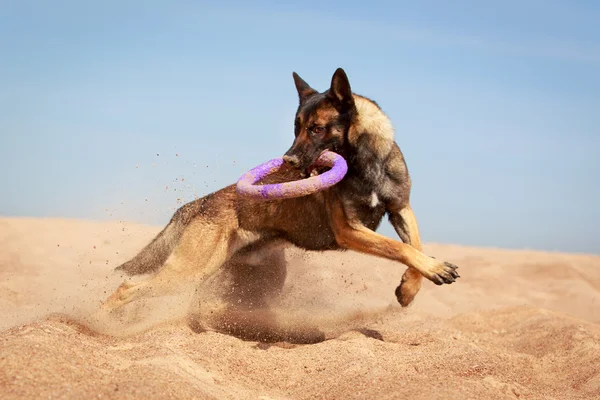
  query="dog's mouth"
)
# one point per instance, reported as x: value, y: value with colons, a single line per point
x: 307, y: 166
x: 312, y: 169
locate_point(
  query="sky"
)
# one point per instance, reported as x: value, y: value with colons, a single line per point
x: 124, y: 110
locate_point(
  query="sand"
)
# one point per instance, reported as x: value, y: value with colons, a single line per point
x: 518, y: 324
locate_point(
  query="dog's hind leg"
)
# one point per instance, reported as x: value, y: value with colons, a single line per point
x: 405, y: 224
x: 202, y: 250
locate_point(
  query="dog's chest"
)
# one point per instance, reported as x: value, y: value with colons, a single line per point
x: 370, y: 200
x: 374, y: 200
x: 371, y: 211
x: 362, y: 192
x: 367, y: 205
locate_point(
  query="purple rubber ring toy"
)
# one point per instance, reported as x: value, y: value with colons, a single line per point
x: 247, y: 188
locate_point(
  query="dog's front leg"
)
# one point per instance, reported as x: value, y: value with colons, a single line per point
x: 405, y: 223
x: 353, y: 235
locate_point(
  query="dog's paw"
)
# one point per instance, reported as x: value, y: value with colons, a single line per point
x: 404, y: 294
x: 409, y: 287
x: 444, y: 273
x: 119, y: 297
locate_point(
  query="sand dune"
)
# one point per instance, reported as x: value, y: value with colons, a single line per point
x: 518, y: 324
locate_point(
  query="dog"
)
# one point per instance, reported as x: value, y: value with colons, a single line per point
x: 204, y: 234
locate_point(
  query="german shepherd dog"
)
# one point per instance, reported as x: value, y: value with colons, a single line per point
x: 206, y: 233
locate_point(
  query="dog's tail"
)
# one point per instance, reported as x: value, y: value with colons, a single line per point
x: 154, y: 255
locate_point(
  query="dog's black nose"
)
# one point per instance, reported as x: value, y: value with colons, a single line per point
x: 291, y: 160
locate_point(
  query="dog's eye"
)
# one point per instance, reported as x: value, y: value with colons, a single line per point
x: 318, y: 130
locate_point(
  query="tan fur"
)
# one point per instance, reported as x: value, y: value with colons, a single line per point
x: 373, y: 120
x: 410, y: 221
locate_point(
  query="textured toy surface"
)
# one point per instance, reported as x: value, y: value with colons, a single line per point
x: 246, y: 184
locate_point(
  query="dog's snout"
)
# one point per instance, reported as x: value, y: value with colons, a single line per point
x: 291, y: 160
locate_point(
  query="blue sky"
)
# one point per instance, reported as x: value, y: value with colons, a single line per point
x: 106, y: 106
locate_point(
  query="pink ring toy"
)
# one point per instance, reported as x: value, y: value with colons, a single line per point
x: 247, y: 188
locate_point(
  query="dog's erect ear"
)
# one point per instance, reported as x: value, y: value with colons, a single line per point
x: 340, y: 91
x: 304, y: 89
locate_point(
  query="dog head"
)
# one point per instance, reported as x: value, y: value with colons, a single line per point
x: 322, y: 120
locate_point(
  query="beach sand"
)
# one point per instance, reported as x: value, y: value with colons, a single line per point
x: 517, y: 324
